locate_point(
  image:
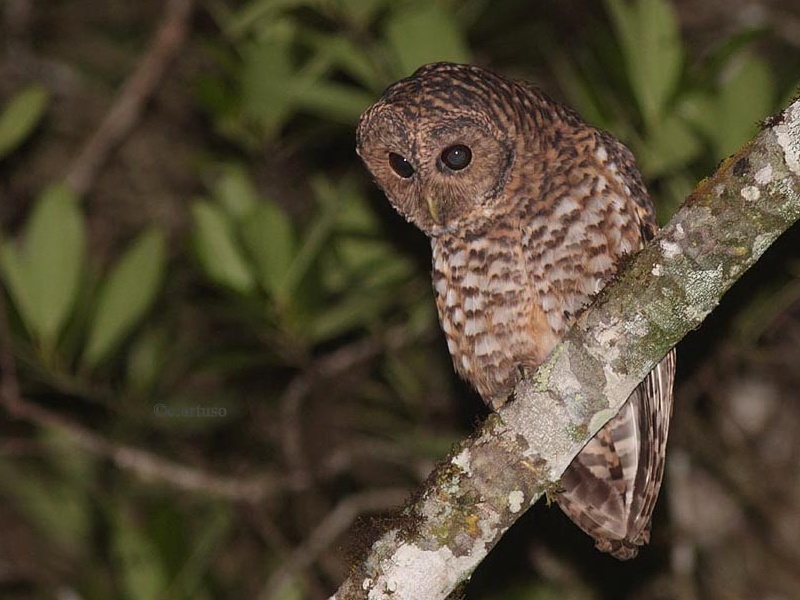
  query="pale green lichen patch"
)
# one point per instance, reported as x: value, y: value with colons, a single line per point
x: 702, y: 290
x: 412, y: 572
x: 750, y: 193
x: 462, y: 461
x: 764, y: 175
x: 669, y: 249
x: 515, y: 500
x: 607, y: 336
x: 541, y: 381
x: 544, y: 419
x: 660, y: 311
x: 637, y: 326
x: 602, y: 417
x: 761, y: 243
x: 578, y: 433
x: 614, y: 380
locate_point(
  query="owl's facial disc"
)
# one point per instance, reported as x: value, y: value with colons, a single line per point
x: 440, y: 168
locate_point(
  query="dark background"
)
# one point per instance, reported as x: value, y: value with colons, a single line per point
x: 221, y: 366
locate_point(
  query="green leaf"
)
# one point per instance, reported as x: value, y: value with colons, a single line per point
x: 140, y: 568
x: 13, y: 274
x: 354, y: 213
x: 347, y: 314
x: 146, y: 359
x: 235, y: 192
x: 56, y: 505
x: 51, y: 263
x: 292, y: 588
x: 577, y: 88
x: 316, y: 235
x: 362, y: 12
x: 126, y: 295
x: 266, y: 74
x: 334, y: 101
x: 254, y: 14
x: 699, y: 108
x: 746, y: 97
x: 347, y: 55
x: 218, y: 250
x: 653, y: 51
x: 676, y: 189
x: 53, y: 498
x: 425, y: 33
x: 364, y: 257
x: 668, y: 148
x: 198, y: 560
x: 268, y: 235
x: 20, y: 116
x: 730, y: 117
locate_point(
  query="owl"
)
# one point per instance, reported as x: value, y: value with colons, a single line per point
x: 529, y: 211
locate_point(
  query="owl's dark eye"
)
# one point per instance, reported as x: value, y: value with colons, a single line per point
x: 456, y: 157
x: 400, y: 165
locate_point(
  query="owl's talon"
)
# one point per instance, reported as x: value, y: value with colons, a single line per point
x: 497, y: 402
x: 551, y: 491
x: 523, y: 372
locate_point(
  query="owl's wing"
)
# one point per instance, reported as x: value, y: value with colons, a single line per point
x: 583, y: 223
x: 611, y: 487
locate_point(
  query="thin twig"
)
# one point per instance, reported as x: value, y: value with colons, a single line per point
x: 153, y: 468
x: 329, y: 366
x: 261, y: 521
x: 17, y: 17
x: 9, y: 384
x: 135, y: 93
x: 335, y: 523
x: 145, y: 465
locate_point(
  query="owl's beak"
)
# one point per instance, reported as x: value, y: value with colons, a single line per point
x: 433, y: 209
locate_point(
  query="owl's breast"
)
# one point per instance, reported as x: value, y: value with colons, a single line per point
x: 488, y: 311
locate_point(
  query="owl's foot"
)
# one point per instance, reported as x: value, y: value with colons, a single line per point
x: 498, y: 401
x: 551, y: 491
x: 524, y: 372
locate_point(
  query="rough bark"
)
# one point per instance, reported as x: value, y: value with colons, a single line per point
x: 667, y: 290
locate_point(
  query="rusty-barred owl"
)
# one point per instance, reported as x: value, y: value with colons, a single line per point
x: 529, y: 210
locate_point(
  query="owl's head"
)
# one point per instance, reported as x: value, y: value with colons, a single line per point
x: 442, y: 143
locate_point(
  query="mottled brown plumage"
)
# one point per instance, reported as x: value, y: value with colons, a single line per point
x: 529, y: 210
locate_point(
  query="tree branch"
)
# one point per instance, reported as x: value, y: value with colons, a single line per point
x: 130, y: 103
x: 495, y: 475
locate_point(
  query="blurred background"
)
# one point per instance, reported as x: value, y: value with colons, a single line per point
x: 221, y: 367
